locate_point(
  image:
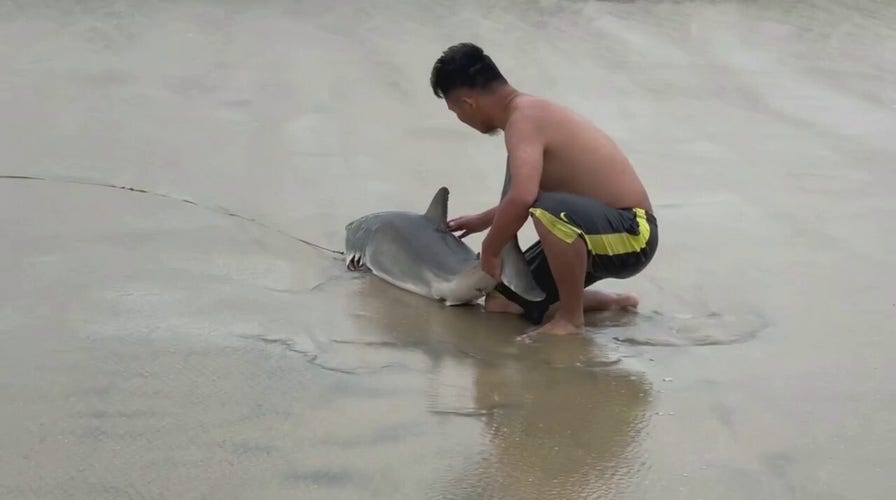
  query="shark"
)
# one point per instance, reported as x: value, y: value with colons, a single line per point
x: 418, y: 253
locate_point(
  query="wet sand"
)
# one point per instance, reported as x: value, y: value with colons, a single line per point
x: 154, y: 346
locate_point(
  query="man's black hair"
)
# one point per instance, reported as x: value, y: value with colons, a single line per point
x: 463, y: 65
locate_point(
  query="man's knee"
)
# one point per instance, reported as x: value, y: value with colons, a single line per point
x: 574, y: 242
x: 539, y: 226
x: 549, y: 228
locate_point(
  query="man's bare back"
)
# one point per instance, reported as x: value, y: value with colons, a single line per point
x: 579, y: 158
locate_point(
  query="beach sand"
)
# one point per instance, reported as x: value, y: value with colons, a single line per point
x: 181, y: 341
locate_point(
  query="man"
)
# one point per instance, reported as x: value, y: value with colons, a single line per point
x: 590, y: 210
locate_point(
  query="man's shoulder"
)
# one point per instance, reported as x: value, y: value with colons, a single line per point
x: 530, y: 115
x: 543, y: 110
x: 529, y: 105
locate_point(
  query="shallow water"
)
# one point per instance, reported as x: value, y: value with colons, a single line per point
x: 155, y: 346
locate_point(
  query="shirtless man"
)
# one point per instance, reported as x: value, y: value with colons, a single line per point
x: 590, y: 210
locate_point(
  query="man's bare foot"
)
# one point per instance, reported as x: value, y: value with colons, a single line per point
x: 558, y: 326
x: 596, y: 300
x: 497, y: 304
x: 602, y: 301
x: 627, y: 301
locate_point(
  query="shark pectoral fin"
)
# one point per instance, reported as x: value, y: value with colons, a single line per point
x: 515, y: 272
x: 437, y: 213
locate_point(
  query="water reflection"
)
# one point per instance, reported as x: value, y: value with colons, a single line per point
x: 562, y: 418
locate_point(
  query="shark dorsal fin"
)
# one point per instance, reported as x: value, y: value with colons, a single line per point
x: 437, y: 212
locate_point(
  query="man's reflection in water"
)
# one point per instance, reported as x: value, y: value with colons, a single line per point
x: 562, y: 420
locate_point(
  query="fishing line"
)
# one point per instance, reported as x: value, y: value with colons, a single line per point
x: 220, y: 210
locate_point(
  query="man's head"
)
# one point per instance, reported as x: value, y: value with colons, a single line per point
x: 469, y: 81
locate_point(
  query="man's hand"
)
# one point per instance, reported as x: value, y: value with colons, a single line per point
x: 471, y: 224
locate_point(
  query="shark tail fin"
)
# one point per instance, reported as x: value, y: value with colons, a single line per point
x: 515, y: 273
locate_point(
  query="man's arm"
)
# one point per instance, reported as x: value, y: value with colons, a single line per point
x: 525, y: 155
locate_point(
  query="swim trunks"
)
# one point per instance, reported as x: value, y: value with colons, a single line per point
x: 620, y: 244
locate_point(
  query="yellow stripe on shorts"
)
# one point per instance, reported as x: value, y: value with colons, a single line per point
x: 598, y: 244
